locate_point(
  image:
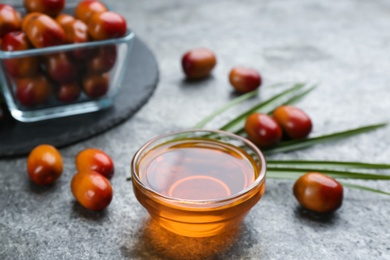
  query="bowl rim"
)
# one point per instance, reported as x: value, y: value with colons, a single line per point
x: 66, y: 47
x: 210, y: 202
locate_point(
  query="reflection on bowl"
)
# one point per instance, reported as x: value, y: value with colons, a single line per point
x: 198, y: 183
x: 168, y: 245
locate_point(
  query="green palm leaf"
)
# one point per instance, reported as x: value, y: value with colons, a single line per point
x: 293, y: 169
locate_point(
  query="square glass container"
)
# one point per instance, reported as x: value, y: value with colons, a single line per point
x: 94, y: 95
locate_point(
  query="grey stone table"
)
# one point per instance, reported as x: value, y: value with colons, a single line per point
x: 343, y: 45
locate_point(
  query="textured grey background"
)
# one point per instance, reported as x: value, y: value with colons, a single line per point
x: 344, y: 45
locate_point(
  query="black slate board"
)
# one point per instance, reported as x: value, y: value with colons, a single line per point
x: 141, y: 79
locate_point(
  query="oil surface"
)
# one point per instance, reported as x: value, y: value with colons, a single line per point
x: 197, y: 169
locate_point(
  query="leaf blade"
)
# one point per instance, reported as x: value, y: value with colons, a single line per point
x: 365, y: 188
x: 332, y: 173
x: 324, y: 164
x: 242, y: 117
x: 294, y: 99
x: 300, y: 144
x: 219, y: 111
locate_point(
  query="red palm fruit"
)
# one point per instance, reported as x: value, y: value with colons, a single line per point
x: 198, y: 63
x: 263, y: 130
x: 294, y: 122
x: 318, y: 192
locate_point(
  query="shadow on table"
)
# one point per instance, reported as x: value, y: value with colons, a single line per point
x: 195, y: 82
x: 41, y: 190
x: 329, y: 218
x: 157, y: 243
x: 236, y: 94
x: 82, y: 212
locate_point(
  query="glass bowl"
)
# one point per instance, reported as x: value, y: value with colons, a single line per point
x: 93, y: 72
x: 213, y: 200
